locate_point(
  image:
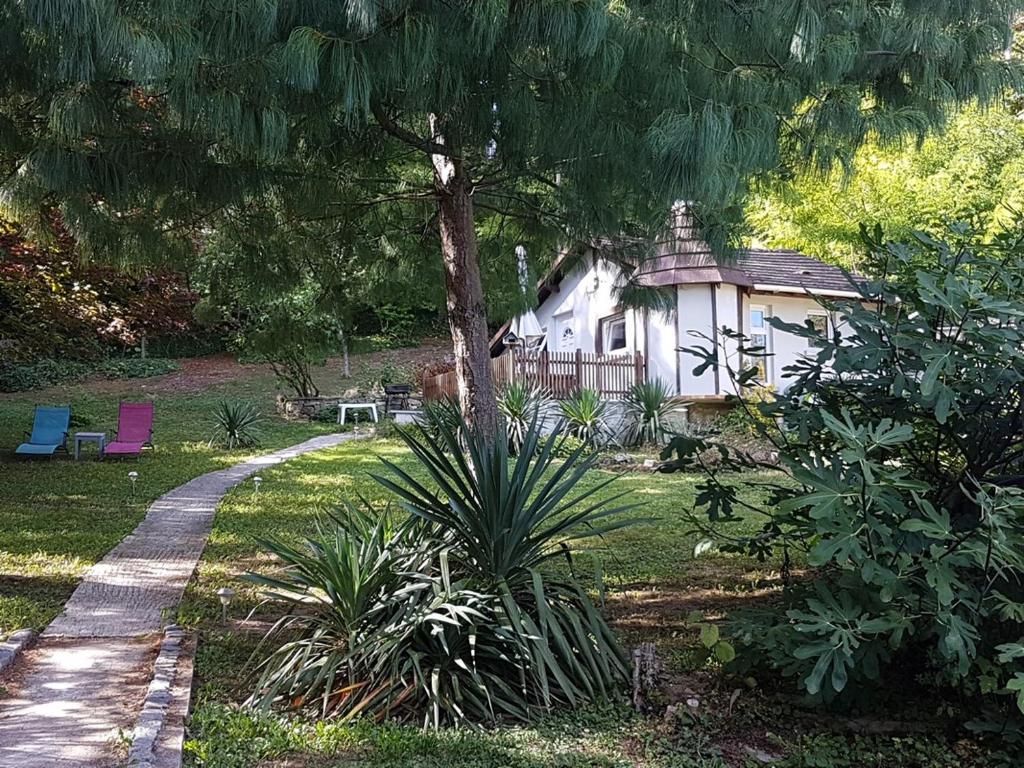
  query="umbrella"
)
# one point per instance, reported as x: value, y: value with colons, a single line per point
x: 526, y: 326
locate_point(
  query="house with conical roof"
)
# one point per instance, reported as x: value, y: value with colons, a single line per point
x: 579, y: 309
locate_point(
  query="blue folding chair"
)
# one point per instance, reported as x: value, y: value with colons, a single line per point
x: 49, y: 431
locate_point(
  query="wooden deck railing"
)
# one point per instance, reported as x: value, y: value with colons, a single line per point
x: 561, y: 373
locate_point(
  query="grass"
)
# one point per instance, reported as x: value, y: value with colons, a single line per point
x: 59, y: 516
x: 654, y: 581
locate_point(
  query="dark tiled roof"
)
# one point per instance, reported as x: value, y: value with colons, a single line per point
x: 790, y: 269
x: 682, y: 256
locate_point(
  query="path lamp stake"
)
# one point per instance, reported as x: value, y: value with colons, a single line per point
x: 132, y: 477
x: 256, y: 481
x: 225, y: 594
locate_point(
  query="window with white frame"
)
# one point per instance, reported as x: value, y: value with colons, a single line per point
x: 760, y: 338
x: 822, y: 324
x: 613, y: 334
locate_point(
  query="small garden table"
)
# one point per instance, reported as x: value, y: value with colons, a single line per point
x: 344, y: 408
x: 100, y: 438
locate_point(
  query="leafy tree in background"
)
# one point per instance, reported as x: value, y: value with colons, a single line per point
x: 973, y: 171
x: 458, y: 125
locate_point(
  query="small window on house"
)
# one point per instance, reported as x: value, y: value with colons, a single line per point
x: 759, y: 339
x: 613, y: 333
x: 821, y: 323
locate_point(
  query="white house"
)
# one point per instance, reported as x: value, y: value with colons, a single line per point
x: 578, y: 310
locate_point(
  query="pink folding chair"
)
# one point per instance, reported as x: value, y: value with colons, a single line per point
x: 134, y: 430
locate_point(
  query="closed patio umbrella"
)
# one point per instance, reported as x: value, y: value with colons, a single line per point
x: 526, y: 326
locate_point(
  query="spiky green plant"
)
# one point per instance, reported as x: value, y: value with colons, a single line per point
x: 648, y: 405
x: 583, y: 413
x: 447, y: 616
x: 236, y: 425
x: 442, y: 415
x: 521, y: 404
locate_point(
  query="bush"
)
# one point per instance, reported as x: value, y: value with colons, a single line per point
x: 235, y: 425
x: 20, y: 377
x: 522, y: 404
x: 901, y: 440
x: 648, y: 405
x: 446, y: 615
x: 583, y: 413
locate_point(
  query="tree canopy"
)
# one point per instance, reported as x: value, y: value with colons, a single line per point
x: 973, y: 172
x: 463, y: 127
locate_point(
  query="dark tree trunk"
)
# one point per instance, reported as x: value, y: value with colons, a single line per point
x: 467, y: 316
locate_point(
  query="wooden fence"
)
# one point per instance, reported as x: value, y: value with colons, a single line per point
x: 560, y: 373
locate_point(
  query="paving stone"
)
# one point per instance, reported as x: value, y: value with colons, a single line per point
x: 76, y: 695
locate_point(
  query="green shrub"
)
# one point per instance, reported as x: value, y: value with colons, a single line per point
x: 648, y: 405
x: 583, y: 413
x: 446, y: 615
x: 235, y: 425
x: 522, y: 404
x: 20, y: 377
x: 901, y: 440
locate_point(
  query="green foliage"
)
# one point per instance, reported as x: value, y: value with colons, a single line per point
x: 901, y: 442
x: 293, y: 336
x: 441, y: 417
x: 19, y: 377
x: 648, y: 405
x: 522, y: 405
x: 447, y: 616
x: 583, y: 413
x: 973, y: 171
x: 713, y: 646
x: 326, y: 116
x: 236, y: 425
x: 52, y: 304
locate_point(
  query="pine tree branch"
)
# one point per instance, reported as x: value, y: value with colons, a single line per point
x: 407, y: 136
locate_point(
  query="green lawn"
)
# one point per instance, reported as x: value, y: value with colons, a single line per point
x: 653, y: 582
x: 59, y: 516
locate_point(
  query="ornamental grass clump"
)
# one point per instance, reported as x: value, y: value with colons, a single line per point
x: 442, y: 611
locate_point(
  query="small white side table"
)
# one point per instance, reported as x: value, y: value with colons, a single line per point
x: 344, y: 408
x: 100, y: 438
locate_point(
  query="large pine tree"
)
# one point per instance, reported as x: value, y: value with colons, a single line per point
x: 456, y: 122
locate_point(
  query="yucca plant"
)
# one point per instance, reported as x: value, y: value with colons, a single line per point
x: 442, y: 415
x: 648, y: 405
x: 583, y: 413
x: 236, y: 425
x: 522, y: 404
x: 506, y: 518
x: 447, y: 615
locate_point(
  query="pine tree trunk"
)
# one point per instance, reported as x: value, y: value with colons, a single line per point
x: 467, y: 317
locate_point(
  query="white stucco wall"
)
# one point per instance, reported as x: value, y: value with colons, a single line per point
x: 581, y: 300
x: 785, y: 347
x: 695, y: 330
x: 587, y: 295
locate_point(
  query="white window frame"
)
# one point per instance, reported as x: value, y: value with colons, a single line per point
x: 764, y: 331
x: 606, y: 335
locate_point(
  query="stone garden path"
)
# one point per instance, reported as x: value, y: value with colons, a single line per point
x: 78, y: 692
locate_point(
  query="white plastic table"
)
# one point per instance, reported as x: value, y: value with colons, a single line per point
x: 344, y: 408
x: 100, y: 438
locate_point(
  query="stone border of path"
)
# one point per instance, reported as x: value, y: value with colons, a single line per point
x: 15, y: 643
x: 101, y: 635
x: 159, y: 698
